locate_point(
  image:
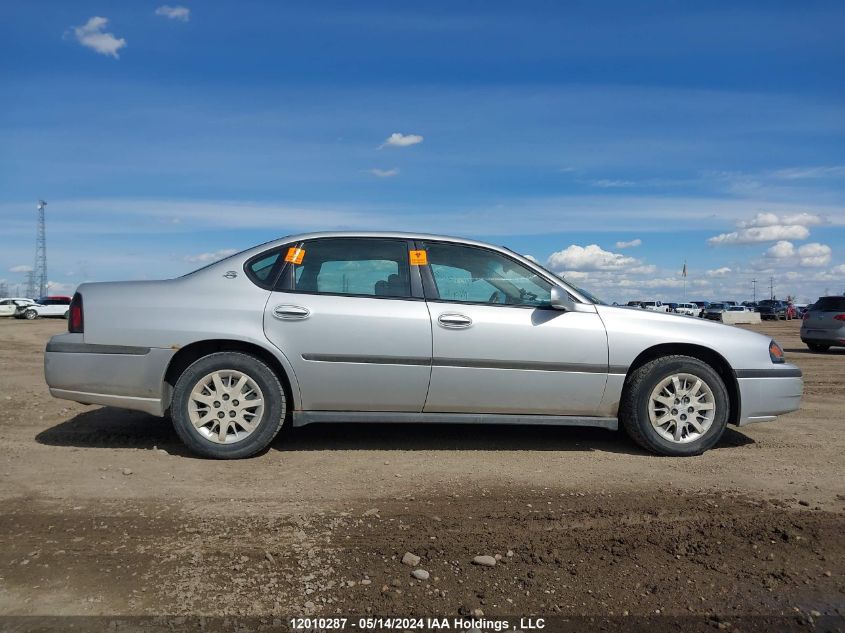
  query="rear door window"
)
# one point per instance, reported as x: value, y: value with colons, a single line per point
x: 370, y: 267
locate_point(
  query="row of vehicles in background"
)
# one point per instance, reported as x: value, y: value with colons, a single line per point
x: 22, y: 308
x: 773, y: 309
x: 822, y: 327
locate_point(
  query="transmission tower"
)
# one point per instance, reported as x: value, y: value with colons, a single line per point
x: 41, y: 253
x: 30, y: 285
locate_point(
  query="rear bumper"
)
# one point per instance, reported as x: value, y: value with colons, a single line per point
x: 117, y: 376
x: 764, y: 398
x: 825, y: 337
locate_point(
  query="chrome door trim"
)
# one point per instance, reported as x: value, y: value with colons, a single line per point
x: 377, y: 360
x: 288, y: 312
x: 302, y: 418
x: 454, y: 320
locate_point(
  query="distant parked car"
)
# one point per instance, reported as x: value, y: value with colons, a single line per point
x: 714, y: 311
x: 673, y: 307
x: 44, y: 307
x: 823, y: 326
x: 772, y: 309
x: 702, y: 306
x: 655, y: 306
x: 9, y: 305
x: 634, y: 304
x: 690, y: 309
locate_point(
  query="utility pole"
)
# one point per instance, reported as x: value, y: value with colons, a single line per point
x: 771, y: 287
x: 754, y: 286
x: 41, y: 253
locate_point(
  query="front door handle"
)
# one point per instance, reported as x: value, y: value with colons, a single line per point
x: 454, y: 320
x: 291, y: 312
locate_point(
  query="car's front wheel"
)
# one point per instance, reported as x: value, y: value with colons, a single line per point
x: 30, y: 315
x: 228, y: 405
x: 675, y: 405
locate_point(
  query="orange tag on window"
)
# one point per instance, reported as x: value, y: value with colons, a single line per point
x: 419, y: 258
x: 295, y: 255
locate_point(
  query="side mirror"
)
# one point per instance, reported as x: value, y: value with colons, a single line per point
x: 560, y: 299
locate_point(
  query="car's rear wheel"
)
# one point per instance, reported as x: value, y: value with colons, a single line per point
x: 818, y: 347
x: 228, y: 405
x: 675, y: 405
x: 30, y: 315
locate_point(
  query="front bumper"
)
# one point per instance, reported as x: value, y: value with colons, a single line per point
x: 111, y: 375
x: 764, y: 397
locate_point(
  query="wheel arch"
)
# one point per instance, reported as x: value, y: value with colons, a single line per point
x: 706, y: 355
x: 196, y: 350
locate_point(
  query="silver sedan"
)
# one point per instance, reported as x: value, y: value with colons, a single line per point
x: 397, y: 327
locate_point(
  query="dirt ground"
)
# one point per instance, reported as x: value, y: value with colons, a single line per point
x: 105, y: 514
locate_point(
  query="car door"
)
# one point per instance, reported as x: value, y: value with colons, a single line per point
x: 499, y: 346
x: 7, y: 307
x: 350, y: 316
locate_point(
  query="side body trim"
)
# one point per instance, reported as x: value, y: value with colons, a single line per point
x: 769, y: 373
x: 480, y: 363
x: 94, y: 348
x: 303, y: 418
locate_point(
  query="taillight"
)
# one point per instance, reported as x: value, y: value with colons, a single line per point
x: 75, y: 320
x: 806, y: 316
x: 840, y: 317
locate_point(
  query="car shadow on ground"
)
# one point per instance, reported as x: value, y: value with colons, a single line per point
x: 803, y: 350
x: 108, y: 427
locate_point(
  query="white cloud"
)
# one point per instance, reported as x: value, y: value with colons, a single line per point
x: 183, y: 14
x: 838, y: 270
x: 814, y: 255
x: 606, y: 183
x: 207, y: 258
x: 781, y: 250
x: 91, y: 35
x: 401, y: 140
x: 629, y: 244
x: 791, y: 219
x: 22, y: 268
x: 756, y: 234
x: 770, y: 227
x: 718, y: 272
x: 800, y: 173
x: 384, y: 173
x: 591, y: 257
x: 532, y: 258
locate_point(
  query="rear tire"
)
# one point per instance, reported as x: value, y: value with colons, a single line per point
x: 228, y: 405
x: 30, y: 315
x: 818, y: 347
x: 690, y: 415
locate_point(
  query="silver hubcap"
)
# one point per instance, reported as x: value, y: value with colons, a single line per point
x: 226, y: 406
x: 681, y: 408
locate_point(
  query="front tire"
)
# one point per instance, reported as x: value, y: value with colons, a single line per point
x: 30, y: 315
x: 228, y: 405
x: 675, y: 405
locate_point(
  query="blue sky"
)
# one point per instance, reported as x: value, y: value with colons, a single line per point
x: 163, y: 135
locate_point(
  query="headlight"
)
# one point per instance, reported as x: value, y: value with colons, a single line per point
x: 776, y: 352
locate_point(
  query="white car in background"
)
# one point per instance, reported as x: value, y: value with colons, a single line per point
x: 690, y: 309
x: 9, y: 305
x: 45, y: 307
x: 655, y: 306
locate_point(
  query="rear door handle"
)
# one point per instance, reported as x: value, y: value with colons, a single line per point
x: 454, y: 320
x: 291, y: 312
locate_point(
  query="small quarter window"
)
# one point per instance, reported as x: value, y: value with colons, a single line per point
x: 263, y: 269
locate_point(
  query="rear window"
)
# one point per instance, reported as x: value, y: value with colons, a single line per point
x: 830, y: 304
